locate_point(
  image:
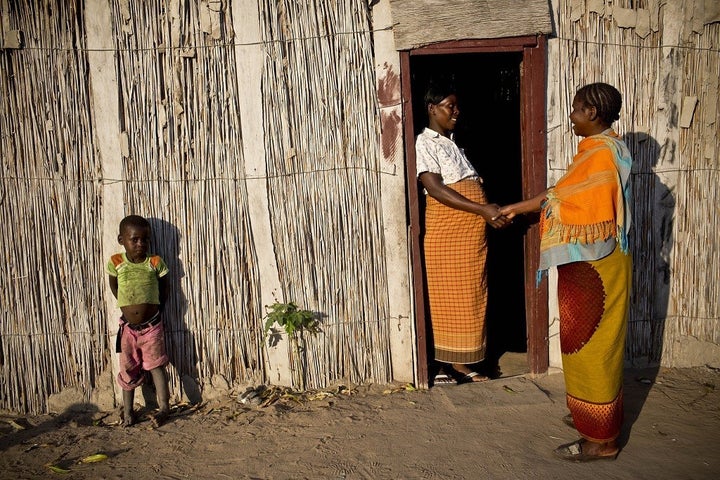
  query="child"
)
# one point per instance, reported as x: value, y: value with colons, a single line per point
x: 139, y: 282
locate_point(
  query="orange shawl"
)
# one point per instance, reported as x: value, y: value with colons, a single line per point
x: 589, y: 204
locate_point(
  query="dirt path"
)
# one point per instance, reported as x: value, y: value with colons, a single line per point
x: 505, y: 428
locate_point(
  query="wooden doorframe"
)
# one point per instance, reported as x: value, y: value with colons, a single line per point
x: 533, y: 78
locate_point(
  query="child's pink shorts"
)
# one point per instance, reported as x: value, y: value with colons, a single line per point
x: 140, y: 352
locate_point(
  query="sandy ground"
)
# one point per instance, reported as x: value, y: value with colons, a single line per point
x: 505, y: 428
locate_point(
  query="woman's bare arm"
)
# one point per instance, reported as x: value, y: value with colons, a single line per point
x: 526, y: 206
x: 447, y: 196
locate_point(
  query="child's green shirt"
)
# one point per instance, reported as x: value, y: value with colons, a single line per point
x: 137, y: 282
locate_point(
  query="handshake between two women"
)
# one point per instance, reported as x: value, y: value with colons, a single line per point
x: 504, y: 215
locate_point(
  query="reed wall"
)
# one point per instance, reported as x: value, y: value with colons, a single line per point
x: 323, y: 164
x: 182, y: 163
x: 182, y: 166
x: 661, y: 56
x: 52, y: 320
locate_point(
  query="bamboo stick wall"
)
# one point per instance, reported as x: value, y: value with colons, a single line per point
x: 184, y: 169
x: 51, y: 322
x: 675, y: 169
x: 323, y: 166
x: 693, y: 320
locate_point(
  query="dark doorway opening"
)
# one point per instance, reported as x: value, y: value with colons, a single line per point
x: 532, y: 102
x: 489, y: 129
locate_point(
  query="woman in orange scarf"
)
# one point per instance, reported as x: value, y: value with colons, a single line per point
x: 584, y: 225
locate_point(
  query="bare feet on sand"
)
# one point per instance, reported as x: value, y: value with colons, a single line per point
x: 128, y: 419
x: 159, y: 418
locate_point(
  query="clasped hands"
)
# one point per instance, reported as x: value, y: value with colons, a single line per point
x: 501, y: 216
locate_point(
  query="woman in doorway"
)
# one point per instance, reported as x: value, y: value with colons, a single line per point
x: 584, y: 225
x: 455, y: 243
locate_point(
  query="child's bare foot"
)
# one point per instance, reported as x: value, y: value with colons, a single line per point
x: 128, y: 416
x: 128, y: 419
x: 159, y: 418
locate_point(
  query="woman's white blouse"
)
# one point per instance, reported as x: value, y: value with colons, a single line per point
x: 435, y: 153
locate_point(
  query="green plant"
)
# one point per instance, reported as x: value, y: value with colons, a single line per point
x: 295, y: 322
x: 291, y: 318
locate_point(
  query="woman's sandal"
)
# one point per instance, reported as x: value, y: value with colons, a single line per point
x: 443, y: 379
x: 471, y: 378
x: 573, y: 452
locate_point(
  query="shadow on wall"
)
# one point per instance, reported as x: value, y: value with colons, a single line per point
x: 651, y: 242
x: 651, y: 245
x: 179, y: 340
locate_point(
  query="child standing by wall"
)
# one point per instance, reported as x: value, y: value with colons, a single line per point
x: 139, y: 282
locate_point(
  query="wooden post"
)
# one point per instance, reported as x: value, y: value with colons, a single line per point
x: 104, y: 93
x: 249, y: 55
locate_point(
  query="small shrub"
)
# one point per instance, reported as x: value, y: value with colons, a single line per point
x: 291, y: 318
x: 294, y: 321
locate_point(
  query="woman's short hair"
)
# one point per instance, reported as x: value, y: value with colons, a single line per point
x: 437, y: 90
x: 604, y: 97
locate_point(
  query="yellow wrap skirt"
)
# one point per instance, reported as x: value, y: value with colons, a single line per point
x: 594, y: 299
